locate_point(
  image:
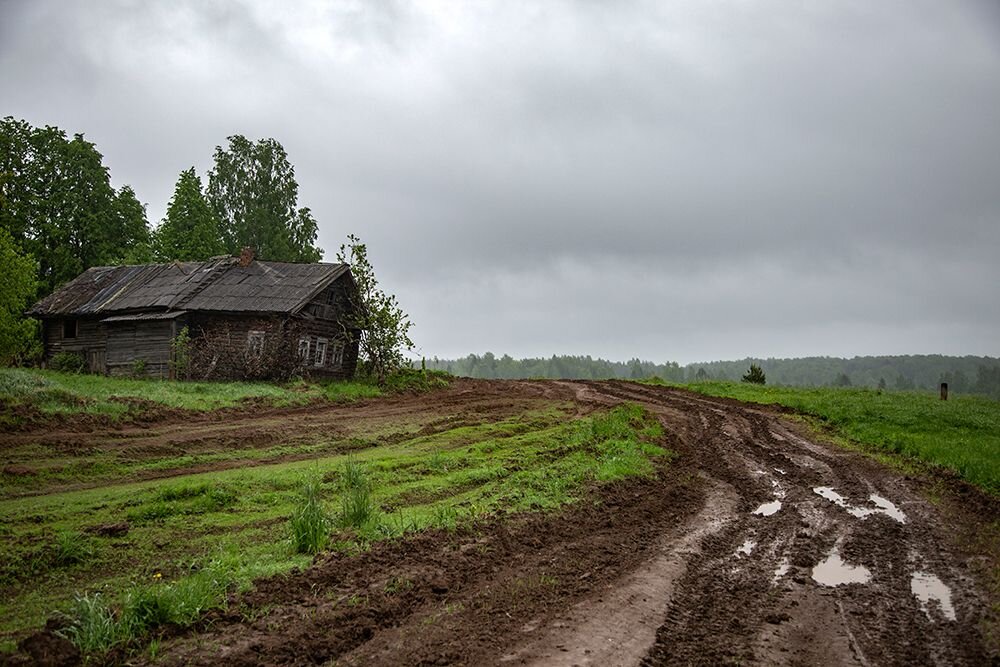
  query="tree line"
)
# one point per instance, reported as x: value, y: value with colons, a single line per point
x: 980, y: 375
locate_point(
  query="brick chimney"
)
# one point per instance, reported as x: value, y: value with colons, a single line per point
x: 246, y: 256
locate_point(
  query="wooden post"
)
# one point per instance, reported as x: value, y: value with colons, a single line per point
x: 944, y: 391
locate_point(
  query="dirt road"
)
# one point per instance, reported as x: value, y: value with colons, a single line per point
x: 756, y: 545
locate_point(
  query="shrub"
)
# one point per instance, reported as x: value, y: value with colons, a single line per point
x: 139, y: 368
x: 310, y: 525
x: 68, y: 362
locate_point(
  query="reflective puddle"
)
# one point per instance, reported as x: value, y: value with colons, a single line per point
x: 746, y: 548
x: 782, y: 568
x: 835, y: 572
x: 882, y: 505
x: 926, y: 587
x: 767, y: 509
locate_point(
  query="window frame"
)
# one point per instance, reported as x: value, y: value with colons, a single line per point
x: 337, y: 354
x: 255, y: 342
x: 307, y: 343
x: 319, y: 359
x: 70, y: 325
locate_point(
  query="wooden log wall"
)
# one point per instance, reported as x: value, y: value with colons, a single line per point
x: 139, y: 348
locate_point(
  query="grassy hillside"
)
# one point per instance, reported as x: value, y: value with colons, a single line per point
x: 961, y: 434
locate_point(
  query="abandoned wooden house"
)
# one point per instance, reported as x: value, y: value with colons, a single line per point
x: 125, y: 320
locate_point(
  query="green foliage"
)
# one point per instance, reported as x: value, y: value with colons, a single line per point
x: 72, y: 547
x: 489, y: 366
x: 180, y: 354
x: 310, y: 525
x: 964, y: 375
x: 384, y: 327
x: 139, y: 368
x: 191, y: 230
x: 754, y: 376
x: 253, y: 191
x: 68, y: 362
x: 58, y: 204
x: 357, y: 506
x: 93, y: 628
x: 97, y: 626
x: 18, y: 335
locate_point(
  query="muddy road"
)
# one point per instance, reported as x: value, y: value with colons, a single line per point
x: 757, y: 544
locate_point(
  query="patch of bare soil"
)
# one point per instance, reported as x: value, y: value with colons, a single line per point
x: 759, y: 544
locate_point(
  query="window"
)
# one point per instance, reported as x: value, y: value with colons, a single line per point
x: 320, y: 351
x: 69, y: 328
x: 255, y: 342
x: 303, y: 349
x: 338, y: 354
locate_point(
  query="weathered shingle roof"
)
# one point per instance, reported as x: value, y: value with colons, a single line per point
x: 220, y: 285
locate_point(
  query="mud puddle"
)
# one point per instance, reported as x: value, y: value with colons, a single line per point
x: 930, y: 591
x: 834, y: 571
x: 882, y: 505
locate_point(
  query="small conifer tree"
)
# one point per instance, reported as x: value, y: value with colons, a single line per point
x: 755, y: 375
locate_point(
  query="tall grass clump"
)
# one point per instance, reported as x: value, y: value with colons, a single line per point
x: 310, y: 524
x: 357, y: 505
x: 93, y: 628
x: 97, y: 626
x: 72, y: 547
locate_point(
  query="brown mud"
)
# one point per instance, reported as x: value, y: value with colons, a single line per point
x: 758, y: 544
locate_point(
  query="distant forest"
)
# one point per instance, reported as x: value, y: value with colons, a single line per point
x: 980, y: 375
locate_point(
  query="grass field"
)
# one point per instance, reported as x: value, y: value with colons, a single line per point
x: 193, y: 538
x: 961, y: 434
x: 118, y: 398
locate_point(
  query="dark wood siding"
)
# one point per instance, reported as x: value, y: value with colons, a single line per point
x: 323, y: 317
x: 91, y: 336
x: 142, y: 341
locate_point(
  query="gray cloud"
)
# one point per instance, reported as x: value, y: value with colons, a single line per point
x: 689, y: 181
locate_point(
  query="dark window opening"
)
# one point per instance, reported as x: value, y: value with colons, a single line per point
x: 69, y: 328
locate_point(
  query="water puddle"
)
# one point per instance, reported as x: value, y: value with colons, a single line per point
x: 746, y: 548
x: 767, y: 509
x: 926, y: 587
x: 835, y: 572
x: 882, y: 505
x: 780, y: 471
x: 783, y: 567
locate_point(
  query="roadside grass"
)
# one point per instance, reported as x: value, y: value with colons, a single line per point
x: 53, y: 392
x: 961, y: 434
x: 193, y: 540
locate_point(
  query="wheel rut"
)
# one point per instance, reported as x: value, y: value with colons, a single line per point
x: 758, y: 544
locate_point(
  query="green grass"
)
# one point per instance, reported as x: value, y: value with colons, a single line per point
x: 53, y: 392
x: 961, y: 434
x: 194, y: 538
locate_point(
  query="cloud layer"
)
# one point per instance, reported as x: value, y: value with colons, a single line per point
x: 692, y: 181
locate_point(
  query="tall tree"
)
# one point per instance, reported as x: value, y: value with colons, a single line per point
x: 17, y: 334
x: 191, y: 230
x: 60, y: 206
x: 253, y: 190
x: 385, y: 328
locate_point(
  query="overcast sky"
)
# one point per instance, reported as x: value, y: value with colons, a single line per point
x: 676, y: 181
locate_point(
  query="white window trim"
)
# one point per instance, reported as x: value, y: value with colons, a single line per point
x: 304, y: 354
x: 320, y: 351
x: 338, y: 354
